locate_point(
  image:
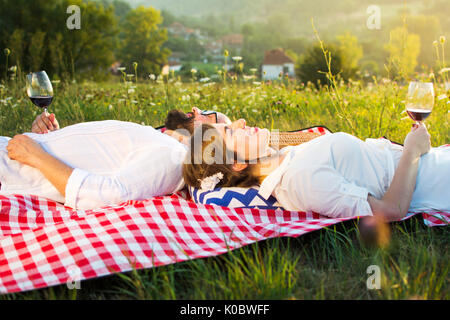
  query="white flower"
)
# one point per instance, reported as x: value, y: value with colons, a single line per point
x: 130, y: 75
x: 121, y: 69
x: 56, y: 81
x: 134, y: 101
x: 194, y: 71
x: 110, y: 107
x: 209, y: 183
x: 204, y: 79
x: 13, y: 69
x: 256, y: 83
x: 444, y: 70
x: 152, y: 77
x: 131, y: 90
x: 237, y: 58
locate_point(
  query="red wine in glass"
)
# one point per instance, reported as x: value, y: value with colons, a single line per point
x: 39, y: 89
x: 41, y: 101
x: 420, y: 100
x: 418, y: 114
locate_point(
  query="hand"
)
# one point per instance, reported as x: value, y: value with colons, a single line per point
x: 44, y: 123
x: 24, y: 150
x: 418, y: 140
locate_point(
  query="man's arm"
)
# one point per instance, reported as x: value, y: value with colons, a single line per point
x: 396, y: 201
x: 27, y: 151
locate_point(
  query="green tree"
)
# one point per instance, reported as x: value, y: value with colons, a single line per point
x: 403, y: 48
x: 142, y: 40
x: 37, y: 33
x: 351, y: 50
x: 312, y: 66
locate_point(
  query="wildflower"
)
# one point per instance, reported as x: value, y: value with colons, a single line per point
x: 89, y: 96
x: 256, y: 83
x: 193, y: 71
x: 152, y: 77
x: 204, y: 79
x: 255, y: 110
x: 442, y: 39
x: 435, y: 43
x: 135, y: 65
x: 152, y: 104
x: 226, y: 53
x: 121, y: 100
x: 237, y: 58
x: 134, y: 101
x: 7, y: 52
x: 131, y: 90
x: 431, y: 75
x: 196, y: 96
x: 56, y: 81
x: 110, y: 107
x: 13, y: 69
x: 130, y: 75
x: 121, y: 69
x: 253, y: 70
x: 444, y: 70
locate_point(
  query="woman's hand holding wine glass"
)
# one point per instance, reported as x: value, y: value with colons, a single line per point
x: 417, y: 142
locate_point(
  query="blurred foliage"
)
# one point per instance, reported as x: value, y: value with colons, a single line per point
x: 141, y: 40
x: 403, y: 48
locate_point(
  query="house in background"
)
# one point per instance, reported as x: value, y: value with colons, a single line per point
x: 276, y: 62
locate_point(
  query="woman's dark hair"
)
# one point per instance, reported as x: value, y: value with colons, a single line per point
x: 177, y: 119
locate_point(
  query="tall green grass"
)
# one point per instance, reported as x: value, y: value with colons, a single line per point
x: 325, y: 264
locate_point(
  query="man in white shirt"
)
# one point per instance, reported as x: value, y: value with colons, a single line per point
x: 93, y: 164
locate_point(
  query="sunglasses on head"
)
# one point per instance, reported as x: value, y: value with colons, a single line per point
x: 206, y: 113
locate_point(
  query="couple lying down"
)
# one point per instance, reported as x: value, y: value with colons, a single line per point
x: 94, y: 164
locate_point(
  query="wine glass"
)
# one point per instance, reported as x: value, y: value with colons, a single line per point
x: 420, y: 100
x: 39, y: 89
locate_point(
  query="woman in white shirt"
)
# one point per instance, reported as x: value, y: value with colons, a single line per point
x: 93, y: 164
x: 336, y: 175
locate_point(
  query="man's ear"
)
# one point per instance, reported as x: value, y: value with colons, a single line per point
x: 196, y: 111
x: 239, y: 166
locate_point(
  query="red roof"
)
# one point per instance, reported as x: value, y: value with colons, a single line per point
x: 276, y: 57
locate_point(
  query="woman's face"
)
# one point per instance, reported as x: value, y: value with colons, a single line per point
x: 249, y: 143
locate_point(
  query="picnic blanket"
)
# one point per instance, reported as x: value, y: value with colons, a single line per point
x: 43, y: 243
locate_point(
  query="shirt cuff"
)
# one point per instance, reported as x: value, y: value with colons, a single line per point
x: 73, y: 187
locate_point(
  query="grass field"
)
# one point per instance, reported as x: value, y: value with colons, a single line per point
x: 326, y: 264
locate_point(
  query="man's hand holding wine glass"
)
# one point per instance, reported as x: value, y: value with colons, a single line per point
x: 45, y: 123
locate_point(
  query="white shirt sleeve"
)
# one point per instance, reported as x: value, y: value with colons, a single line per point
x: 146, y: 174
x: 323, y: 190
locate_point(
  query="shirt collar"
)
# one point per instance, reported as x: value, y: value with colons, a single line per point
x: 272, y: 180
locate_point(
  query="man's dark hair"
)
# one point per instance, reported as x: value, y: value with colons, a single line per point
x: 177, y: 119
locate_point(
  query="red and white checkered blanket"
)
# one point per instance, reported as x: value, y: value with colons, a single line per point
x: 43, y: 243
